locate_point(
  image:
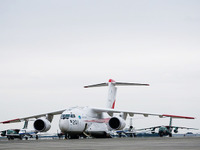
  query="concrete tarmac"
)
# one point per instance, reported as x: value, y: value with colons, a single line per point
x: 156, y: 143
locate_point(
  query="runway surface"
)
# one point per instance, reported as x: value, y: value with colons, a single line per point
x: 166, y: 143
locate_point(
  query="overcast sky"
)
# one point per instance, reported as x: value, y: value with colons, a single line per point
x: 50, y: 49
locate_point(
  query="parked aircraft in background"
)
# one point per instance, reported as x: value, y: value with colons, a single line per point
x: 11, y: 133
x: 89, y: 121
x: 26, y: 133
x: 167, y: 130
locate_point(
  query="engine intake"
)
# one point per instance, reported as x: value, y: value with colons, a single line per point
x: 176, y: 130
x: 42, y: 125
x: 117, y: 123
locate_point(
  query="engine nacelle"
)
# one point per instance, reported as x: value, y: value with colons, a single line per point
x: 175, y: 130
x: 117, y: 123
x: 42, y: 125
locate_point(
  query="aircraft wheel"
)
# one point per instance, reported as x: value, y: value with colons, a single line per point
x: 120, y: 135
x: 8, y: 137
x: 20, y: 137
x: 170, y: 135
x: 73, y: 137
x: 11, y: 137
x: 66, y: 136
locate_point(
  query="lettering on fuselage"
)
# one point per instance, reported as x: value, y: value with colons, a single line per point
x: 74, y: 122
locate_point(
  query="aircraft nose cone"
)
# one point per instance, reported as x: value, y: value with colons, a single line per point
x: 64, y: 125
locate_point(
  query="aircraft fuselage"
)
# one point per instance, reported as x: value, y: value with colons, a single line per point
x: 81, y: 120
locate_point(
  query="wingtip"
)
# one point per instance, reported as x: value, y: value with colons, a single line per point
x: 174, y: 116
x: 10, y: 121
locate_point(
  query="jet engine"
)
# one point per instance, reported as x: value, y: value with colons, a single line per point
x: 176, y: 130
x: 117, y: 123
x: 42, y: 124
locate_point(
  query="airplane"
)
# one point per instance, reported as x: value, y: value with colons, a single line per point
x: 126, y: 132
x: 87, y: 121
x: 26, y: 133
x: 11, y: 133
x: 167, y: 130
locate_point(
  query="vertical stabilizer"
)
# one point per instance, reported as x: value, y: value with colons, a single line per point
x: 112, y: 90
x: 170, y: 122
x: 170, y: 125
x: 25, y: 124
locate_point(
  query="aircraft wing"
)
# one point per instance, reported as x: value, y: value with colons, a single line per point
x: 132, y: 113
x: 150, y: 128
x: 32, y: 117
x: 176, y: 127
x: 184, y: 128
x: 175, y: 116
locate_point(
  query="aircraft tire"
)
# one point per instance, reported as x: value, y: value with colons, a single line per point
x: 20, y: 137
x: 66, y: 136
x: 170, y: 135
x: 8, y: 137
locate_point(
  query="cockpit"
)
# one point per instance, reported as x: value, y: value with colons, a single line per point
x: 67, y: 116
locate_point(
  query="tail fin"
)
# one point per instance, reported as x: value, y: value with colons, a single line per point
x: 25, y: 124
x: 112, y: 90
x: 170, y: 122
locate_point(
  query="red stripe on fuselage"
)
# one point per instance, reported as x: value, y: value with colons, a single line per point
x: 105, y: 120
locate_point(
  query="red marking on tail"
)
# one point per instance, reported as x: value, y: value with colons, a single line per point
x: 113, y: 106
x: 111, y: 80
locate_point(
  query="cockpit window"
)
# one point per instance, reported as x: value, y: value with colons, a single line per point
x: 73, y: 116
x: 67, y: 116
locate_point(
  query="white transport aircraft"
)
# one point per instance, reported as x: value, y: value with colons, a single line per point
x: 89, y: 121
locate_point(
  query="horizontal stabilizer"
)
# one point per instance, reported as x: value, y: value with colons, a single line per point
x: 123, y: 83
x: 112, y: 90
x: 116, y: 84
x: 96, y: 85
